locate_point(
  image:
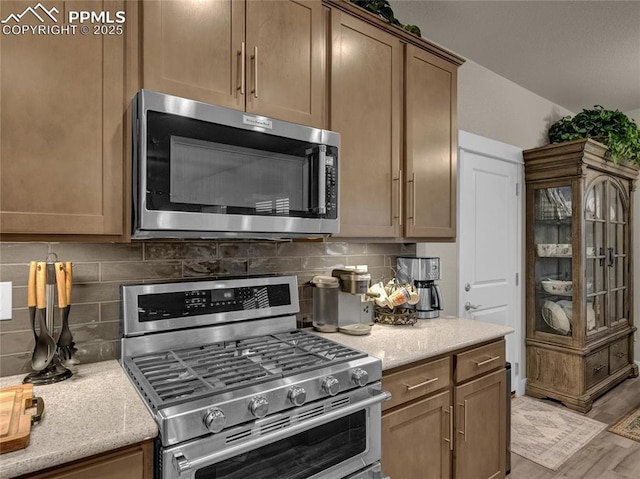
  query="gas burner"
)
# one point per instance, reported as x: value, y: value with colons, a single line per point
x: 176, y: 375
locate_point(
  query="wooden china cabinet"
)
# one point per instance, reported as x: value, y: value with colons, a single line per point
x: 579, y: 272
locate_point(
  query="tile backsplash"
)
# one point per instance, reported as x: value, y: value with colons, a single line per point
x: 100, y: 269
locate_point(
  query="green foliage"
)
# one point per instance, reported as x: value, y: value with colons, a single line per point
x: 612, y: 128
x: 383, y: 9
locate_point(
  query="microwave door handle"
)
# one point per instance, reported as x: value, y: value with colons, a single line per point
x: 322, y: 179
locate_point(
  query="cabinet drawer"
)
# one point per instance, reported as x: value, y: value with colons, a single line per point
x: 416, y: 382
x: 597, y: 367
x: 479, y: 360
x: 618, y: 354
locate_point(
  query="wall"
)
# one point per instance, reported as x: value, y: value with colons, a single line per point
x: 100, y: 269
x: 492, y: 106
x: 635, y: 115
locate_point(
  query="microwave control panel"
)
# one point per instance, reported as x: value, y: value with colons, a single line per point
x: 331, y: 176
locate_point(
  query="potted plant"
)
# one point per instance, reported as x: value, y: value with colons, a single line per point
x: 384, y: 10
x: 612, y: 128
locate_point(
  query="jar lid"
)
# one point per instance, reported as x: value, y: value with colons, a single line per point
x: 325, y: 282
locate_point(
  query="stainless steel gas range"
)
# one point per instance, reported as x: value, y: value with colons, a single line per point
x: 239, y: 393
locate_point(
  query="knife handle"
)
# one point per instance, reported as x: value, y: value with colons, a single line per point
x: 68, y: 269
x: 31, y: 285
x: 41, y: 280
x: 61, y: 284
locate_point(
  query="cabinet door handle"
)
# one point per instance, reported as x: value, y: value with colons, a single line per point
x: 254, y: 57
x: 612, y: 258
x: 399, y: 209
x: 450, y: 440
x: 242, y: 54
x: 486, y: 361
x: 413, y: 199
x: 464, y: 429
x: 619, y: 355
x: 419, y: 385
x: 599, y: 368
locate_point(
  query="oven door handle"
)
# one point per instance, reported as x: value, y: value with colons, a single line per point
x: 188, y: 466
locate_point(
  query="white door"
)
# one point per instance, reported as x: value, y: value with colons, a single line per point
x: 489, y: 238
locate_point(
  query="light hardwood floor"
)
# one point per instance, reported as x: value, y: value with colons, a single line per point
x: 607, y: 456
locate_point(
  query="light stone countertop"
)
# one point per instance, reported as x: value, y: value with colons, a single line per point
x: 98, y: 409
x: 400, y: 345
x: 94, y: 411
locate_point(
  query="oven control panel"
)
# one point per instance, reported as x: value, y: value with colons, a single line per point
x: 165, y: 307
x: 153, y: 307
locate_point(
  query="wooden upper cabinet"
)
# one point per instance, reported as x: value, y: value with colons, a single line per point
x: 393, y: 100
x: 366, y: 101
x: 286, y: 43
x: 193, y: 49
x: 431, y: 145
x: 61, y: 139
x: 266, y: 57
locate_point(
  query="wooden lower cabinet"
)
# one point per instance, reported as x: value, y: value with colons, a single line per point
x: 439, y: 427
x: 131, y: 462
x: 416, y: 438
x: 480, y: 424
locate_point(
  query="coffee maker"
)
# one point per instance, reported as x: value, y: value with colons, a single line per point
x: 340, y: 301
x: 422, y: 273
x: 354, y: 306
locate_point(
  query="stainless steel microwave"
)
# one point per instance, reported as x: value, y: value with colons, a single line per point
x: 205, y: 171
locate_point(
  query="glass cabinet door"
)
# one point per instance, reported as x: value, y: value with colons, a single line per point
x: 596, y: 256
x: 553, y: 260
x: 606, y: 217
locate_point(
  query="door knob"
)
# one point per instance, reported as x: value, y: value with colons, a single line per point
x: 468, y: 306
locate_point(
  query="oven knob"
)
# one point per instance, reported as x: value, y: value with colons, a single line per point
x: 331, y: 385
x: 215, y: 420
x: 297, y: 395
x: 360, y: 376
x: 259, y: 406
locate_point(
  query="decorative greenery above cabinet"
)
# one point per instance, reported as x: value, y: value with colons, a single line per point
x: 619, y: 133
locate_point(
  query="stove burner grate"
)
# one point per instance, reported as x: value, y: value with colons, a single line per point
x: 180, y: 375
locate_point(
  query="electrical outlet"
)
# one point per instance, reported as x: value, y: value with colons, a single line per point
x: 5, y: 300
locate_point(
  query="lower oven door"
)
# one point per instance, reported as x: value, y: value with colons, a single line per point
x: 328, y: 439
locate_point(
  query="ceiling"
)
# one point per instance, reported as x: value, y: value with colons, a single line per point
x: 574, y: 53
